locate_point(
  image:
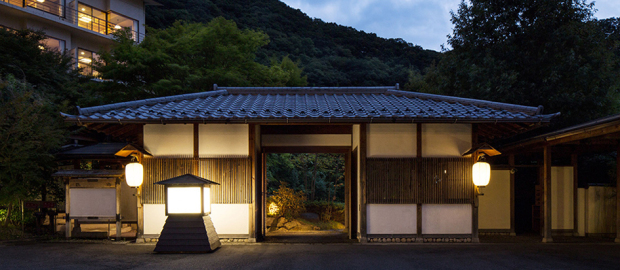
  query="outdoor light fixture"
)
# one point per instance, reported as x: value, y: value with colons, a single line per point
x: 134, y: 174
x: 117, y: 27
x: 481, y: 173
x: 188, y: 204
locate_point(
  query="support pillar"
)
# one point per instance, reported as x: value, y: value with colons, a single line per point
x: 618, y: 195
x: 476, y: 203
x: 419, y: 237
x: 511, y: 162
x: 547, y: 238
x: 67, y: 210
x: 118, y: 209
x: 574, y: 162
x: 363, y: 212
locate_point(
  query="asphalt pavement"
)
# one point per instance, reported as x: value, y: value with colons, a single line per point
x: 112, y: 255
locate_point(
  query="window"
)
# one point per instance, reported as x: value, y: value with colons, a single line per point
x: 91, y: 18
x: 55, y: 7
x: 85, y: 62
x: 54, y: 44
x: 117, y: 21
x: 14, y: 2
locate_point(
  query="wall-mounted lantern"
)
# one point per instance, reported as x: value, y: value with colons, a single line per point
x: 134, y: 174
x: 188, y: 227
x: 481, y: 170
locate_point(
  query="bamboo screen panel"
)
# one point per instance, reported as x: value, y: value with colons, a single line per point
x: 233, y: 175
x: 425, y: 180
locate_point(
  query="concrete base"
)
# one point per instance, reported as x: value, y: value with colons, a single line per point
x: 475, y: 240
x: 188, y: 234
x: 547, y: 240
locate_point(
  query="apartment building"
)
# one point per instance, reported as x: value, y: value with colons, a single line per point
x: 80, y: 27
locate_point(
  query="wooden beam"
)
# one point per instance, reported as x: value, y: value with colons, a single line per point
x: 307, y: 129
x: 252, y: 152
x: 195, y: 163
x: 511, y: 162
x: 574, y: 160
x: 475, y: 204
x: 347, y: 193
x: 306, y: 149
x: 67, y: 210
x: 547, y: 195
x: 363, y: 212
x: 586, y: 135
x: 118, y: 209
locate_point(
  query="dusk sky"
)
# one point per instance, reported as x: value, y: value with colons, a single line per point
x: 421, y: 22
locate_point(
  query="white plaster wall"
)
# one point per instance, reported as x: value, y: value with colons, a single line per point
x: 494, y: 210
x: 446, y: 219
x: 154, y: 218
x: 92, y: 202
x: 231, y: 218
x: 307, y: 140
x: 392, y: 218
x: 131, y: 8
x: 445, y: 140
x: 169, y: 140
x: 392, y: 140
x: 227, y: 218
x: 562, y: 198
x: 223, y: 140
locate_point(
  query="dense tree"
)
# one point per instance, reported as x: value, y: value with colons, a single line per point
x: 189, y: 57
x: 29, y: 132
x: 330, y: 54
x: 531, y: 52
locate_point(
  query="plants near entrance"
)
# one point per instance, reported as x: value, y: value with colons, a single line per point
x: 290, y: 203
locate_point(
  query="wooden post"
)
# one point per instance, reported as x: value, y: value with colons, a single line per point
x: 618, y: 194
x: 511, y: 162
x: 252, y: 152
x: 195, y: 163
x: 474, y: 212
x: 547, y: 238
x: 574, y: 162
x: 67, y: 210
x: 118, y: 209
x: 363, y: 212
x: 418, y: 178
x: 347, y: 193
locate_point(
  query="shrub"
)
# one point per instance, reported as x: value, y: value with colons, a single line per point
x: 289, y: 202
x: 327, y: 210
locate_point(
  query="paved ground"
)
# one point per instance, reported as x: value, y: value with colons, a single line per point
x: 109, y: 255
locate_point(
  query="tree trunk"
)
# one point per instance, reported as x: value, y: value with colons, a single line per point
x: 8, y: 214
x: 316, y: 165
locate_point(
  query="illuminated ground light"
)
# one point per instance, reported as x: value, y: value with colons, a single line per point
x: 273, y: 209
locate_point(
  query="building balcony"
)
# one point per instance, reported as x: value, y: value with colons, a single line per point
x: 79, y: 16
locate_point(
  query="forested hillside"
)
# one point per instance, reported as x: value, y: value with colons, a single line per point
x: 330, y: 54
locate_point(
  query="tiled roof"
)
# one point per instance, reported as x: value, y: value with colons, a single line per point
x: 309, y: 104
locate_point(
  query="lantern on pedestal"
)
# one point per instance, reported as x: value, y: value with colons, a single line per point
x: 188, y: 227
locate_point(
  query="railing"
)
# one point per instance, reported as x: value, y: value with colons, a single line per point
x: 80, y: 19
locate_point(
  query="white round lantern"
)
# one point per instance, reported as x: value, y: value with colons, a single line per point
x: 481, y: 173
x: 134, y: 174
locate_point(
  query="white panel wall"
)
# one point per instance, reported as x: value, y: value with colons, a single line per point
x: 494, y: 210
x: 169, y: 140
x: 92, y: 202
x: 154, y: 218
x: 392, y: 140
x: 445, y: 140
x: 562, y: 198
x: 307, y: 140
x: 446, y: 219
x: 231, y: 218
x: 581, y: 211
x: 227, y: 218
x: 222, y: 140
x: 392, y: 218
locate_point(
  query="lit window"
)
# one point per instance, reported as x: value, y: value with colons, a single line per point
x: 117, y: 21
x: 85, y: 62
x: 55, y: 7
x: 54, y: 44
x: 91, y: 18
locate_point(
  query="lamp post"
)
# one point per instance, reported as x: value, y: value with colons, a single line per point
x: 188, y: 227
x: 134, y: 175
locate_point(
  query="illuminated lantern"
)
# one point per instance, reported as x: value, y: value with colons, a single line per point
x: 481, y: 173
x: 134, y: 174
x: 188, y: 204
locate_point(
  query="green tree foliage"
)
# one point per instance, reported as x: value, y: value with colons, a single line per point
x: 330, y: 54
x: 290, y: 202
x: 531, y: 52
x: 28, y: 134
x: 189, y: 57
x: 48, y: 71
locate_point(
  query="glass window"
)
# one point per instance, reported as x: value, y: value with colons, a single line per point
x: 117, y: 21
x: 91, y: 18
x: 54, y: 44
x: 85, y: 61
x: 51, y: 6
x: 19, y: 3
